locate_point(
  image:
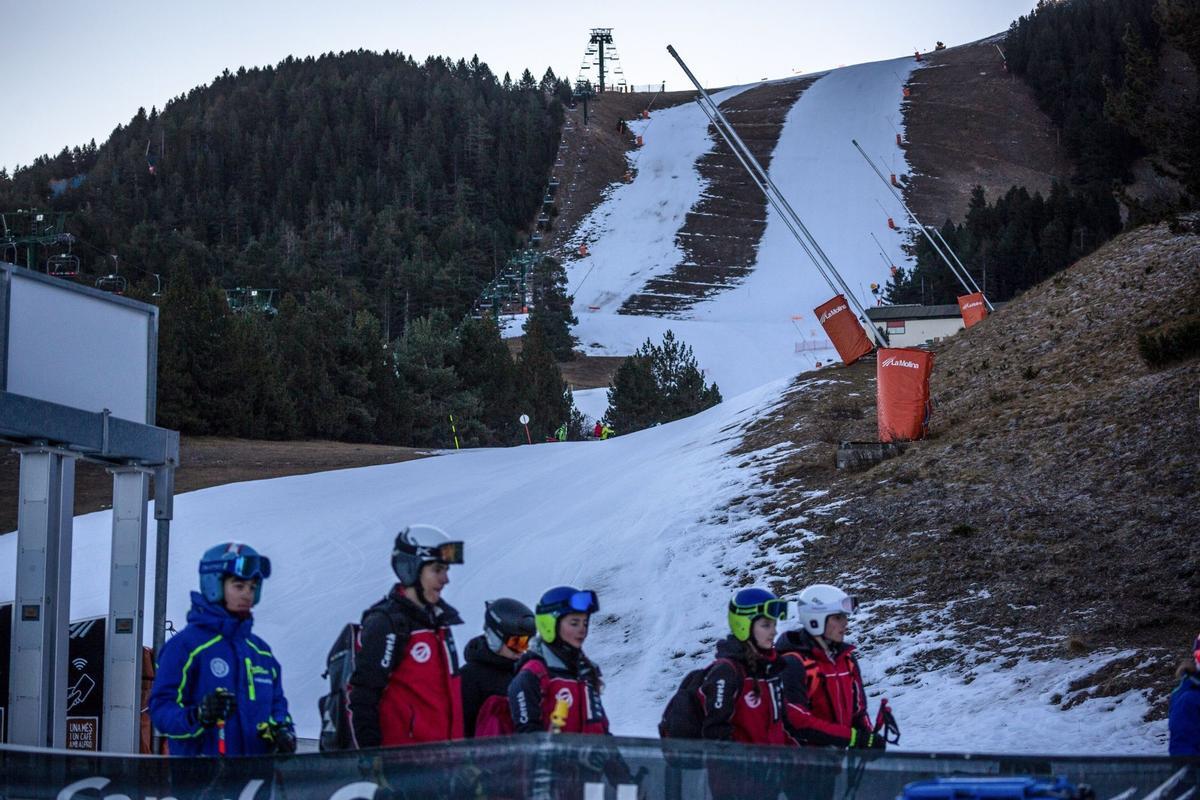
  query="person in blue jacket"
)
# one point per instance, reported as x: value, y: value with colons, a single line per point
x: 1184, y: 722
x: 217, y: 688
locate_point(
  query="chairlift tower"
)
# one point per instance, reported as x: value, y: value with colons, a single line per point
x: 600, y: 61
x: 30, y: 228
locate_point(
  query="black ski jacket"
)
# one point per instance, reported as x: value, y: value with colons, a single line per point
x: 387, y: 628
x: 485, y: 675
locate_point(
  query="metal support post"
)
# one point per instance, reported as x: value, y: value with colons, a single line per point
x: 38, y: 690
x: 963, y: 277
x: 164, y: 510
x: 124, y: 637
x: 799, y: 230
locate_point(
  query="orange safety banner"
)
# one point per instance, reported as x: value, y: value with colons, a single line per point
x: 973, y: 308
x: 843, y: 329
x: 903, y: 377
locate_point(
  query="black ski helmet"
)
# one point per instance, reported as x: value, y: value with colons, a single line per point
x: 505, y: 618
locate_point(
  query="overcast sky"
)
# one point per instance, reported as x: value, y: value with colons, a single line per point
x: 75, y: 70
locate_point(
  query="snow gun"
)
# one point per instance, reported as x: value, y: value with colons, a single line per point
x: 558, y: 717
x: 885, y: 723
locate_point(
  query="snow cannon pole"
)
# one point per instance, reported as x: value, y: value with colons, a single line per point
x: 937, y: 249
x: 766, y: 192
x: 454, y: 432
x: 799, y: 231
x: 777, y: 200
x: 953, y: 269
x: 958, y: 260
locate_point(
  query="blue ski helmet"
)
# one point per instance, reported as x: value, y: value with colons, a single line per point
x: 750, y: 604
x: 231, y: 558
x: 556, y: 603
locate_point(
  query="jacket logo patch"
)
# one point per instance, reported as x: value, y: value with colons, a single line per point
x: 421, y: 652
x: 219, y: 667
x: 522, y: 709
x: 389, y: 646
x: 564, y: 695
x: 753, y: 700
x: 720, y: 701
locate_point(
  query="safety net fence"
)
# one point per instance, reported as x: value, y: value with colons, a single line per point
x: 576, y: 768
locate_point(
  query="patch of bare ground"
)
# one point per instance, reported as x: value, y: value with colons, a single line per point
x: 1058, y: 492
x: 592, y: 157
x: 969, y: 122
x: 584, y: 371
x: 212, y: 461
x: 720, y: 234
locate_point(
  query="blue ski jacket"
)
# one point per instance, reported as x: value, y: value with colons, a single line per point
x: 1184, y: 721
x: 216, y: 650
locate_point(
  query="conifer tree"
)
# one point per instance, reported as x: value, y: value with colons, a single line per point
x: 544, y: 396
x: 658, y: 384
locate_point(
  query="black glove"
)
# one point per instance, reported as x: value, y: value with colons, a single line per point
x: 218, y: 705
x: 866, y: 739
x: 280, y: 739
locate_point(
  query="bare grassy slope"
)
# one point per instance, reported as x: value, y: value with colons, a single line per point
x: 969, y: 122
x: 1059, y: 490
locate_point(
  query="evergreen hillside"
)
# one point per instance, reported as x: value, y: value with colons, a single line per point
x: 1118, y: 79
x: 368, y: 189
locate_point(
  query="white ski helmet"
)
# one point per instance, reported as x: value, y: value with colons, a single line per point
x: 418, y: 545
x: 820, y: 601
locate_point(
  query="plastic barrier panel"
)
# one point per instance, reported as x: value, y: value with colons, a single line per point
x: 562, y: 767
x: 903, y: 403
x: 843, y: 329
x: 973, y: 308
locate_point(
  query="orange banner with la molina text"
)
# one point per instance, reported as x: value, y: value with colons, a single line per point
x: 903, y: 404
x: 843, y: 329
x: 973, y: 308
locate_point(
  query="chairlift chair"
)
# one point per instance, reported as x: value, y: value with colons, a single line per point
x: 63, y: 265
x: 113, y: 283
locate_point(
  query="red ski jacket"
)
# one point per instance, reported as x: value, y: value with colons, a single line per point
x: 547, y: 673
x: 741, y: 704
x: 825, y: 698
x: 405, y: 686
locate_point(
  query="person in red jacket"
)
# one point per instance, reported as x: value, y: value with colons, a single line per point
x: 405, y: 686
x: 822, y: 685
x: 742, y: 693
x: 555, y: 667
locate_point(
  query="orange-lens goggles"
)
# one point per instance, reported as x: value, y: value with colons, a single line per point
x: 449, y: 553
x: 518, y: 644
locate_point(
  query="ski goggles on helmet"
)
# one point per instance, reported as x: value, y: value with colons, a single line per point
x: 569, y: 601
x: 446, y: 553
x: 771, y: 609
x: 244, y: 567
x: 518, y: 644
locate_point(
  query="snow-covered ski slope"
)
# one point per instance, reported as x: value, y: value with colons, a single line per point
x: 657, y: 521
x: 746, y: 336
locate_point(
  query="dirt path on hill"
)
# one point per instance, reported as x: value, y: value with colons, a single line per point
x: 969, y: 122
x: 213, y: 461
x: 721, y: 233
x: 1057, y: 494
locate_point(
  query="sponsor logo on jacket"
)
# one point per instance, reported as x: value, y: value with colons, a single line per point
x: 831, y: 312
x: 421, y: 652
x: 720, y: 693
x: 388, y: 648
x: 522, y: 708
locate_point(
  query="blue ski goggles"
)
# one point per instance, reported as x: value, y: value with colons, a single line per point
x: 244, y: 567
x: 771, y: 609
x: 568, y: 600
